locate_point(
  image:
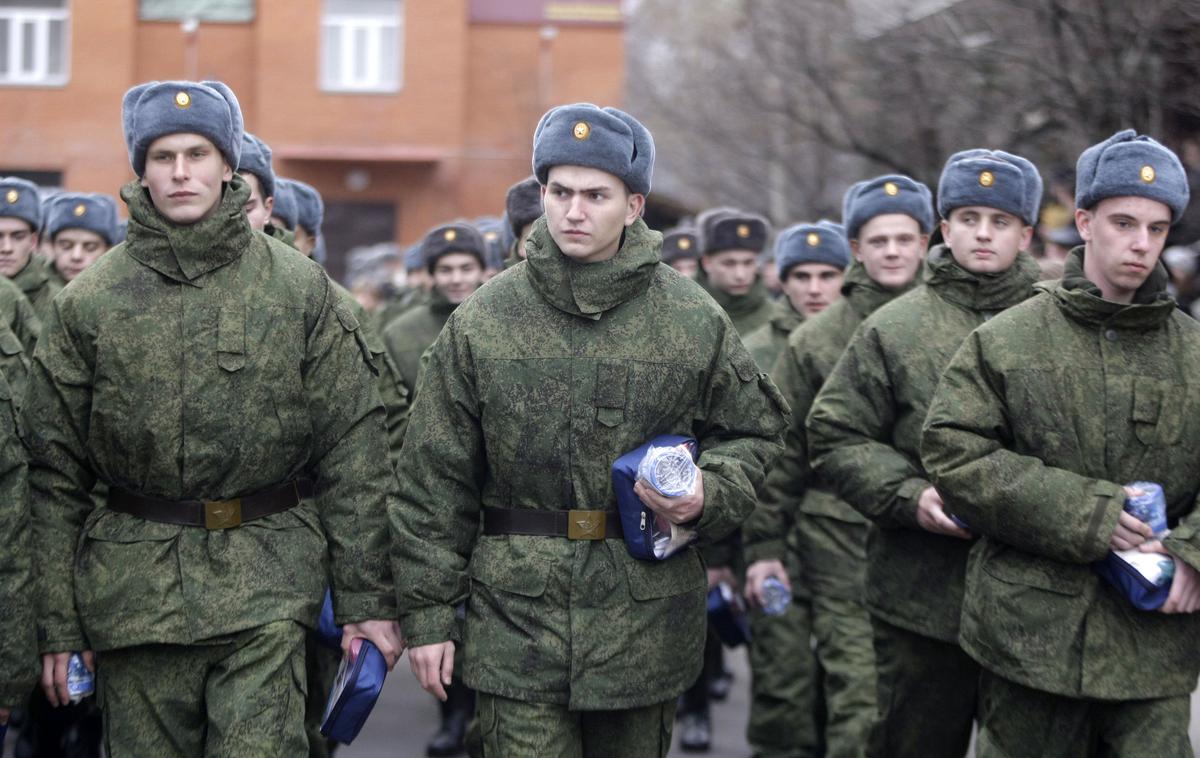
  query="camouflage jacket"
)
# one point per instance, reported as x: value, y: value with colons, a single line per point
x: 537, y: 383
x: 800, y: 370
x: 864, y: 433
x: 203, y: 362
x: 1042, y: 416
x: 769, y: 340
x: 18, y: 655
x: 38, y: 285
x: 410, y: 335
x: 747, y: 312
x: 17, y: 312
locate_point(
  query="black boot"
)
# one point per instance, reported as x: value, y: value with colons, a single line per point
x: 695, y: 732
x: 457, y: 711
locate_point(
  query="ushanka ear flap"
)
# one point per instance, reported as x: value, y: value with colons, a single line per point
x: 641, y: 164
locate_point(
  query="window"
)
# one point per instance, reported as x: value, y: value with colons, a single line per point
x: 34, y: 40
x: 362, y: 45
x: 231, y: 11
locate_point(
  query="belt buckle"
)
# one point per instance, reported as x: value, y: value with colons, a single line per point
x: 222, y: 514
x: 585, y: 525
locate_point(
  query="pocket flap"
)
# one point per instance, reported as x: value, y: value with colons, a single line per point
x: 9, y: 343
x: 651, y: 580
x: 508, y: 564
x: 1015, y: 567
x: 111, y: 526
x: 611, y: 380
x: 231, y: 337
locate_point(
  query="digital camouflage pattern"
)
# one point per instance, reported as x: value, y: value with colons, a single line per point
x: 19, y: 666
x: 409, y: 336
x: 769, y: 340
x: 1032, y: 446
x: 747, y: 312
x: 517, y: 728
x: 864, y: 434
x: 17, y: 312
x: 38, y: 285
x: 403, y: 303
x: 607, y: 356
x: 206, y: 361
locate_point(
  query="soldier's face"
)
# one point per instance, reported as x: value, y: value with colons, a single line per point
x: 17, y: 243
x: 1124, y: 237
x: 891, y: 248
x: 812, y: 287
x: 588, y: 210
x: 732, y: 271
x: 457, y: 275
x: 184, y: 175
x: 258, y: 208
x: 75, y: 250
x: 305, y: 242
x: 985, y: 240
x: 686, y: 266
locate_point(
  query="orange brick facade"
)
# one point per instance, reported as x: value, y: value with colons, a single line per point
x: 447, y: 144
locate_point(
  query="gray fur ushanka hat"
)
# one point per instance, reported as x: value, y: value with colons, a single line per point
x: 680, y: 244
x: 1128, y: 164
x: 993, y: 179
x: 721, y: 229
x: 78, y: 210
x: 608, y: 139
x: 890, y: 193
x: 452, y: 238
x: 285, y: 203
x: 523, y: 204
x: 256, y: 159
x: 19, y: 199
x: 822, y: 242
x: 156, y: 109
x: 310, y: 208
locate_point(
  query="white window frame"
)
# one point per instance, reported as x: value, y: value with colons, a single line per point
x: 347, y: 26
x: 40, y: 18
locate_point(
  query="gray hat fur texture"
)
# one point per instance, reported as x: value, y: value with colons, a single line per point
x: 256, y: 159
x: 310, y: 208
x: 822, y: 242
x: 679, y: 244
x: 285, y: 203
x: 889, y: 193
x: 607, y: 139
x: 523, y: 204
x: 1130, y: 164
x: 156, y: 109
x: 458, y: 237
x: 721, y: 229
x: 19, y: 199
x: 992, y: 179
x: 80, y: 210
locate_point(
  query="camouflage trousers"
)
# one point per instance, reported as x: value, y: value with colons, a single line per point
x: 321, y: 666
x: 833, y: 563
x: 510, y: 728
x: 928, y: 693
x: 785, y: 680
x: 236, y: 696
x: 1017, y: 721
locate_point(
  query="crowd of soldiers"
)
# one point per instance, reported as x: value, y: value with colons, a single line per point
x: 203, y: 436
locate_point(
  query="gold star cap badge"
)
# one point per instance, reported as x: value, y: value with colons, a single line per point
x: 685, y: 244
x: 490, y: 236
x: 12, y: 196
x: 743, y: 230
x: 890, y: 188
x: 450, y: 235
x: 581, y: 130
x: 183, y: 100
x: 813, y: 239
x: 1147, y: 174
x: 80, y: 210
x: 986, y: 178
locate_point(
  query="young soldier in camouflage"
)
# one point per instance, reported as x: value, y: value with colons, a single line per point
x: 20, y: 217
x: 200, y: 370
x: 574, y: 647
x: 20, y: 220
x: 1043, y: 415
x: 863, y: 435
x: 18, y: 649
x: 522, y: 206
x: 81, y: 227
x: 800, y: 520
x: 681, y: 251
x: 731, y: 242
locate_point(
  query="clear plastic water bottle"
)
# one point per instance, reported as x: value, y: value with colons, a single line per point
x: 776, y: 597
x: 80, y: 681
x: 1150, y: 506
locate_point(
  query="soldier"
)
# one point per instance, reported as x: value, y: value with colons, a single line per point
x: 20, y: 220
x: 256, y: 169
x: 20, y: 215
x: 681, y: 251
x: 310, y: 214
x: 18, y: 654
x: 731, y: 242
x: 522, y: 206
x: 283, y: 212
x: 863, y: 434
x: 800, y: 521
x: 1041, y: 417
x: 574, y: 647
x: 81, y: 227
x: 201, y: 370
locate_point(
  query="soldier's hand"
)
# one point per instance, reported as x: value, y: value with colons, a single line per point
x: 758, y: 573
x: 1130, y: 533
x: 677, y: 510
x: 54, y: 675
x: 931, y: 515
x: 433, y: 666
x: 1184, y: 596
x: 385, y: 635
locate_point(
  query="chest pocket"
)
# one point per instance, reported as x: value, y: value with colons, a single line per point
x: 231, y: 338
x: 609, y: 397
x: 1158, y: 411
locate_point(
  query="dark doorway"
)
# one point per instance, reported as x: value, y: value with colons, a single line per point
x: 349, y: 225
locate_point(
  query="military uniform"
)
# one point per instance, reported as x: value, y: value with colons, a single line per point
x: 17, y: 312
x: 204, y: 362
x: 531, y: 419
x: 747, y: 312
x: 768, y: 341
x: 38, y: 284
x: 18, y: 655
x: 827, y: 534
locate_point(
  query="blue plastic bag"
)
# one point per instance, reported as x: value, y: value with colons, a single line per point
x: 727, y: 615
x: 357, y: 686
x: 647, y: 536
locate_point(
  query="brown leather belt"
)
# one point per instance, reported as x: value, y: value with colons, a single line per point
x: 574, y: 525
x: 211, y: 514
